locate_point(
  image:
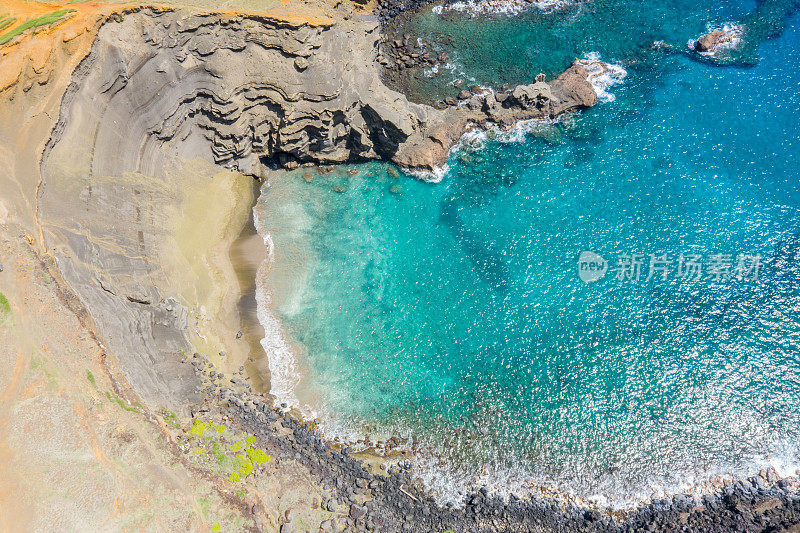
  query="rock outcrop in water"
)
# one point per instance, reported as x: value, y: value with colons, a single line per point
x: 712, y: 39
x: 737, y: 44
x: 568, y: 92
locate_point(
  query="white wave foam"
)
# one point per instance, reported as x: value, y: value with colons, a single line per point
x: 602, y: 75
x: 433, y: 176
x: 430, y: 72
x: 451, y: 471
x: 734, y: 36
x: 475, y: 138
x: 449, y: 485
x: 453, y: 67
x: 284, y: 372
x: 476, y: 8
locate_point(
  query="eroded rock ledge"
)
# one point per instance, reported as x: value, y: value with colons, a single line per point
x: 244, y: 92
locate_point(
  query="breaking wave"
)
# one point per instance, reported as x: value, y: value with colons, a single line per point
x: 602, y: 75
x: 476, y: 8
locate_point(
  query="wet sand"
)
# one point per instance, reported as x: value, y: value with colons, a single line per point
x: 247, y: 253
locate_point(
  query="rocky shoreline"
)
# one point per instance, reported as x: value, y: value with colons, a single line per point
x: 250, y: 94
x: 388, y: 500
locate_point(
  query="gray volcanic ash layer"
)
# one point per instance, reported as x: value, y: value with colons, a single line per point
x: 240, y: 91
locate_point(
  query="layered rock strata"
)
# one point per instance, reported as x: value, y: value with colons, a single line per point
x: 243, y: 92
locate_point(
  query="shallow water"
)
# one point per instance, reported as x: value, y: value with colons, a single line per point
x: 454, y: 312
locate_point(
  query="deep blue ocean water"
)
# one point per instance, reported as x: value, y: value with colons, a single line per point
x: 454, y: 312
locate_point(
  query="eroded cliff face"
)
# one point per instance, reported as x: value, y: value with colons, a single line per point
x: 244, y: 92
x: 162, y: 88
x: 240, y: 92
x: 159, y: 90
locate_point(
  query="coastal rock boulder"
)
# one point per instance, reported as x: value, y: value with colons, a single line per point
x: 570, y: 91
x: 712, y: 39
x: 534, y: 95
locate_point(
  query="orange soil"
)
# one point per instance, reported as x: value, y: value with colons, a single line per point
x: 25, y: 57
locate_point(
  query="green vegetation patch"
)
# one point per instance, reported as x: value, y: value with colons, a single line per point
x: 6, y: 22
x: 171, y: 419
x: 117, y: 400
x: 5, y: 310
x: 49, y: 19
x: 257, y: 456
x: 244, y: 467
x: 234, y: 456
x: 91, y: 379
x: 199, y: 429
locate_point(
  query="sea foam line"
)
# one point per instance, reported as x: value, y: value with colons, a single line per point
x: 448, y: 484
x: 602, y: 75
x: 284, y: 372
x: 476, y: 8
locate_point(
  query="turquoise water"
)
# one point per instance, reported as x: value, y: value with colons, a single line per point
x: 453, y: 312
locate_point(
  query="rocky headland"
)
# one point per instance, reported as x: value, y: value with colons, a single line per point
x: 138, y: 178
x: 246, y: 93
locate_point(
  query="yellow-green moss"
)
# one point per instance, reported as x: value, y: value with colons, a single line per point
x: 244, y: 467
x: 117, y: 400
x: 228, y: 456
x: 257, y: 456
x: 198, y: 429
x: 45, y: 20
x: 5, y: 310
